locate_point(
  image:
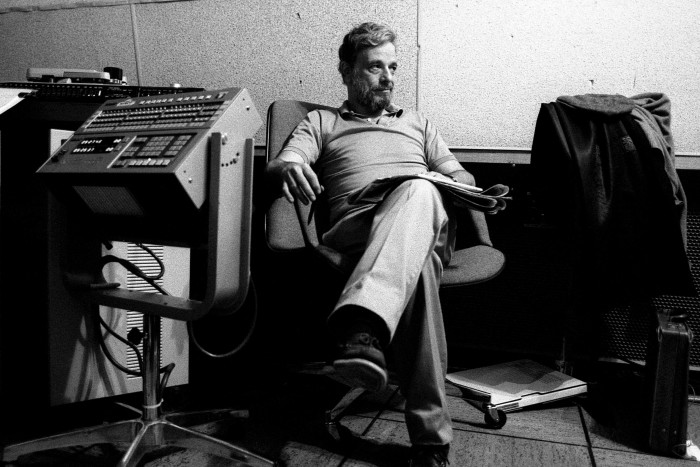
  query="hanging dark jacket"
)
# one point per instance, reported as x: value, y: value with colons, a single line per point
x: 603, y: 168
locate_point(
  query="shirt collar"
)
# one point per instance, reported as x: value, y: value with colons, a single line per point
x: 391, y: 110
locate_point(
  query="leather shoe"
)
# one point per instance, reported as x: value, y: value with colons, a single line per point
x: 361, y: 363
x: 429, y: 456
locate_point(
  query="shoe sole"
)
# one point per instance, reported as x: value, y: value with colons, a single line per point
x: 361, y: 373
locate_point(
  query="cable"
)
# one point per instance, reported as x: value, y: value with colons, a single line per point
x: 135, y: 270
x: 164, y: 380
x: 151, y: 280
x: 99, y: 321
x: 161, y: 266
x: 131, y: 267
x: 244, y: 341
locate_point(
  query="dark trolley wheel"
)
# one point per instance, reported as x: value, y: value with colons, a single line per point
x: 495, y: 420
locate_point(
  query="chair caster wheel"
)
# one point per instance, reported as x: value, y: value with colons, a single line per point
x: 338, y: 433
x: 495, y: 420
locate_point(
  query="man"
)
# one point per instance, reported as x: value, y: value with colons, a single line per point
x: 401, y: 239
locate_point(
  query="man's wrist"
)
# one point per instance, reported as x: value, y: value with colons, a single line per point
x: 461, y: 176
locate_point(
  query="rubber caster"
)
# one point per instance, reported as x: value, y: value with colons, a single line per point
x: 495, y: 420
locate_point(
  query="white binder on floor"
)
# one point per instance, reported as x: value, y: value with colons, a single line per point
x: 514, y: 385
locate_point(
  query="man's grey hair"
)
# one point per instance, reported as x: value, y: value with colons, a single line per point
x: 361, y: 37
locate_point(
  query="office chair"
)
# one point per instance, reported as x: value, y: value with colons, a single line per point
x: 287, y: 229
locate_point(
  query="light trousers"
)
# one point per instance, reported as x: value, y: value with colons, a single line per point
x: 405, y: 242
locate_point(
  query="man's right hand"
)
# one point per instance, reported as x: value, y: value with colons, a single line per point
x: 298, y: 179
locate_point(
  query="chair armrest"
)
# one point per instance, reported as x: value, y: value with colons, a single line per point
x: 480, y: 228
x: 310, y: 239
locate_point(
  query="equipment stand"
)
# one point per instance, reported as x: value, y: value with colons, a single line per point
x: 230, y: 184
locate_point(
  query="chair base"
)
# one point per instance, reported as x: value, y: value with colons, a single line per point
x: 143, y: 436
x: 333, y: 415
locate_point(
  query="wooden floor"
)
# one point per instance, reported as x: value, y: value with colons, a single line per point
x: 285, y: 423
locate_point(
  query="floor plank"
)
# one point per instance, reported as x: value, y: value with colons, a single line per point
x: 600, y: 429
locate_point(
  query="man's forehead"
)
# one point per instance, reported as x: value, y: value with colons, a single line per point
x: 385, y: 52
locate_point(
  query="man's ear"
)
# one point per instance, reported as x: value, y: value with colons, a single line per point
x: 345, y: 71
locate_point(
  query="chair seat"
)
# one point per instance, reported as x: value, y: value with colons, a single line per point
x: 484, y: 263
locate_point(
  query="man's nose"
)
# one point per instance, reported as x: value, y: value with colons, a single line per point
x: 387, y: 75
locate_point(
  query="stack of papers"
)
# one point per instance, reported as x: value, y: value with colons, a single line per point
x: 489, y: 200
x: 518, y: 384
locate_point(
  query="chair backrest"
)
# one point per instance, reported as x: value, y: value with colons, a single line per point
x: 281, y: 226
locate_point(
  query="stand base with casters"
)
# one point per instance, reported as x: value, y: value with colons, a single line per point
x: 154, y: 429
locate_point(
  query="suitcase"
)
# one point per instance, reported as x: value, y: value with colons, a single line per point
x: 668, y: 359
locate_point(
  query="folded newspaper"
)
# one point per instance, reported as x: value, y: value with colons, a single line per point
x: 489, y: 200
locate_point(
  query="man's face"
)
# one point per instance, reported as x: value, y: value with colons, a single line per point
x: 371, y: 80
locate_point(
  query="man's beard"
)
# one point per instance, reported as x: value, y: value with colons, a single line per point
x: 367, y: 97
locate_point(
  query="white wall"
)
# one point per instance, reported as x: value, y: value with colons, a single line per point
x: 487, y: 65
x: 483, y: 69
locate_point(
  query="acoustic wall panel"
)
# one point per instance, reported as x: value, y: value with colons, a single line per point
x: 89, y: 38
x: 285, y: 50
x: 479, y: 69
x: 485, y: 66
